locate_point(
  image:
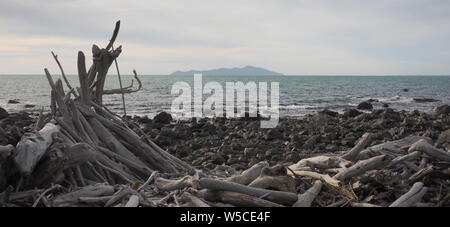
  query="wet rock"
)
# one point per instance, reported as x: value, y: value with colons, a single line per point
x: 162, y: 118
x: 29, y: 106
x: 13, y: 101
x: 421, y: 100
x: 365, y: 106
x: 405, y: 89
x: 444, y: 110
x: 163, y: 140
x: 3, y: 113
x: 329, y: 113
x: 352, y: 113
x: 385, y: 105
x: 274, y: 134
x: 250, y: 152
x: 217, y: 159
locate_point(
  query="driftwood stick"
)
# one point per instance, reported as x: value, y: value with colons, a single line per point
x: 62, y: 72
x: 352, y: 154
x: 193, y: 200
x: 410, y: 198
x: 238, y: 199
x: 148, y: 181
x: 32, y: 147
x: 306, y: 199
x: 407, y: 157
x: 171, y: 185
x: 72, y: 198
x: 361, y: 167
x: 323, y: 177
x: 424, y: 146
x: 286, y: 198
x: 133, y: 201
x: 250, y: 174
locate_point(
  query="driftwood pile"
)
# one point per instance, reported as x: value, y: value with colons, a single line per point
x: 82, y: 154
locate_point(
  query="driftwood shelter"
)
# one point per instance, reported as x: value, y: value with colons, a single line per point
x: 82, y: 154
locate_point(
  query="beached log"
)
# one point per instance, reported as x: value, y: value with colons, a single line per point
x: 323, y: 177
x: 321, y: 162
x: 413, y: 196
x: 427, y: 148
x: 362, y: 167
x: 171, y: 185
x: 396, y: 147
x: 249, y: 175
x: 72, y: 198
x: 404, y: 158
x: 285, y: 198
x: 193, y: 201
x: 275, y: 178
x: 32, y: 147
x: 238, y: 199
x: 306, y: 199
x: 133, y: 201
x: 353, y: 153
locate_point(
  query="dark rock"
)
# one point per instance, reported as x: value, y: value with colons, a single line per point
x: 444, y: 109
x: 13, y: 101
x: 29, y: 106
x: 444, y: 139
x: 3, y: 113
x: 329, y: 112
x: 144, y: 120
x: 217, y: 159
x: 385, y: 105
x: 163, y: 118
x: 365, y: 106
x: 421, y: 100
x: 309, y: 144
x: 352, y: 113
x: 162, y: 140
x: 405, y: 89
x: 274, y: 134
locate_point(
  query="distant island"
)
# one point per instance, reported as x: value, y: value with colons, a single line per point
x: 245, y: 71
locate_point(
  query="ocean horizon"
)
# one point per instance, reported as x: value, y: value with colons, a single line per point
x: 299, y: 94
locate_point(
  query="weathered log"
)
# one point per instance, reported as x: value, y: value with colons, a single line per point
x: 72, y: 198
x: 407, y: 157
x: 321, y: 162
x: 133, y: 201
x: 286, y: 198
x: 323, y: 177
x: 362, y: 166
x: 410, y: 198
x: 392, y: 147
x: 238, y: 199
x: 425, y: 147
x: 249, y: 175
x: 171, y: 185
x: 306, y: 199
x: 193, y: 201
x: 353, y: 153
x: 274, y: 178
x: 32, y: 147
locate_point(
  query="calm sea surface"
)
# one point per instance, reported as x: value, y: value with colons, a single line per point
x: 299, y: 95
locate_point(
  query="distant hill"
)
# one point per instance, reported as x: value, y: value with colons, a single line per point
x: 245, y: 71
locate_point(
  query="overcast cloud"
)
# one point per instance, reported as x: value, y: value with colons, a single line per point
x: 289, y: 36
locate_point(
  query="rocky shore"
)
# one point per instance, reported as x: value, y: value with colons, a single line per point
x: 241, y: 143
x: 291, y: 162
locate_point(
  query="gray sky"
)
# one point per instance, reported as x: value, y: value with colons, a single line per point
x: 288, y: 36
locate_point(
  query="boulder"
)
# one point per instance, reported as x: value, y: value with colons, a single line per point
x: 444, y: 109
x: 365, y: 106
x: 3, y: 113
x: 162, y: 118
x: 274, y: 134
x: 329, y: 112
x: 420, y: 100
x: 352, y: 113
x: 13, y: 101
